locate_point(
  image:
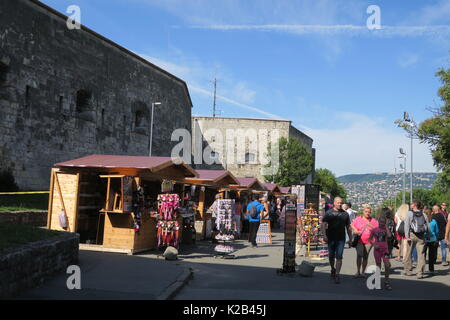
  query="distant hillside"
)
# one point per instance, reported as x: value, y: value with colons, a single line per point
x: 374, y: 188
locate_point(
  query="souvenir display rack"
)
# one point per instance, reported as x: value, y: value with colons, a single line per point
x: 311, y: 229
x: 225, y: 225
x: 168, y: 227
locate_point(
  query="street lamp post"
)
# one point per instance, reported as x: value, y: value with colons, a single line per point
x: 403, y: 155
x: 151, y: 128
x: 412, y: 125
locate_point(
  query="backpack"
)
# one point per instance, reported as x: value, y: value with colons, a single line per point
x: 418, y: 224
x: 401, y: 229
x: 253, y: 212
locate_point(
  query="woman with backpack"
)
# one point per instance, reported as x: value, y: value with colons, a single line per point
x: 431, y: 240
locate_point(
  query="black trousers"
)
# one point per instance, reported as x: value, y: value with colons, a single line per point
x: 432, y: 248
x: 253, y: 226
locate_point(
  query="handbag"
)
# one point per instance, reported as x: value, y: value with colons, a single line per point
x: 357, y: 237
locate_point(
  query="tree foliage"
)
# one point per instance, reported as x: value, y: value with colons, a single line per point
x: 329, y: 183
x: 295, y: 162
x: 435, y: 131
x: 429, y: 198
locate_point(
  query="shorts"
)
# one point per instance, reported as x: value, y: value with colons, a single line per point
x: 398, y: 236
x: 363, y: 250
x: 336, y: 249
x: 381, y: 254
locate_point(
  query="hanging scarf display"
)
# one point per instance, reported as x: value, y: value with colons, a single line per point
x: 168, y: 233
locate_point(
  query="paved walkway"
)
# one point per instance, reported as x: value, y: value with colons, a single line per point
x: 252, y: 275
x: 115, y: 276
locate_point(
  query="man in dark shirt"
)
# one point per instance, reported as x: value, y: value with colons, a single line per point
x: 334, y: 224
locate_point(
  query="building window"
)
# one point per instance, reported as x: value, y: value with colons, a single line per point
x: 83, y: 100
x: 214, y: 155
x: 249, y: 157
x: 27, y: 96
x: 139, y: 119
x: 61, y: 102
x: 3, y: 72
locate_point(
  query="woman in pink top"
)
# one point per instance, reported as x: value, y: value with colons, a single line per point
x: 362, y: 226
x: 379, y: 238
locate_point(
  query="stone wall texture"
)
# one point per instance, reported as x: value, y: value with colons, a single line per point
x: 28, y: 266
x: 31, y: 218
x: 67, y: 93
x: 202, y: 126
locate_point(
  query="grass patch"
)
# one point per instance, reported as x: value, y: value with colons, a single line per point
x: 14, y: 235
x: 21, y: 202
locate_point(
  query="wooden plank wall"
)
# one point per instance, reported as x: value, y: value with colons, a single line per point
x: 118, y: 232
x: 146, y: 238
x: 68, y: 183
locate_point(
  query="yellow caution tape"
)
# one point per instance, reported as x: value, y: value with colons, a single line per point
x: 33, y: 192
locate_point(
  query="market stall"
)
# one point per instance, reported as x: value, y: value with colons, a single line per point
x: 206, y: 186
x: 115, y: 202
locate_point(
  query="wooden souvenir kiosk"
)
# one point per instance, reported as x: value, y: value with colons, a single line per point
x: 96, y: 193
x: 208, y: 184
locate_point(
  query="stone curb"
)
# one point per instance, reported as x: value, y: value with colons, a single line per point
x: 171, y: 291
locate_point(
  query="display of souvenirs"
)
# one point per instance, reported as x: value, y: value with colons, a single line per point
x: 167, y: 186
x: 223, y: 248
x: 168, y: 228
x: 224, y: 212
x: 168, y: 205
x: 311, y: 228
x: 168, y: 233
x: 138, y: 206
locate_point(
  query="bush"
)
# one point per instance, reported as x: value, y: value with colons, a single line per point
x: 7, y: 182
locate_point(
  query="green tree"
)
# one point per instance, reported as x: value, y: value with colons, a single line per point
x: 329, y: 183
x: 435, y: 131
x: 295, y: 162
x: 428, y: 197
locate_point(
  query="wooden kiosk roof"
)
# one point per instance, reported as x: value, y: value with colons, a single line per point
x: 132, y: 165
x: 250, y: 183
x: 213, y: 178
x: 285, y: 189
x: 271, y: 187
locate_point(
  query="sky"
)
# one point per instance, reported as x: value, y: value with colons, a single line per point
x: 314, y: 62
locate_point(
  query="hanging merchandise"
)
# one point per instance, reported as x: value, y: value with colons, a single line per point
x: 225, y: 225
x: 311, y: 230
x: 168, y: 228
x: 167, y: 186
x: 138, y: 205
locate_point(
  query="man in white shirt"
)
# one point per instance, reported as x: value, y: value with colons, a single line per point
x: 351, y: 213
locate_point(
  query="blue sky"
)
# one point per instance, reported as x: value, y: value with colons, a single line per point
x: 312, y: 62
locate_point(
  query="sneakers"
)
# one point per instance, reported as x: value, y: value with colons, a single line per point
x: 333, y: 273
x: 337, y: 279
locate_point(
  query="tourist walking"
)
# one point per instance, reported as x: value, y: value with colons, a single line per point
x: 362, y: 227
x: 431, y: 240
x: 335, y: 223
x: 379, y: 238
x: 238, y: 217
x: 441, y: 221
x: 254, y: 214
x: 444, y: 210
x: 400, y: 217
x: 416, y: 224
x: 351, y: 213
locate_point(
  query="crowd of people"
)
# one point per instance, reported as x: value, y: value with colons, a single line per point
x: 414, y: 231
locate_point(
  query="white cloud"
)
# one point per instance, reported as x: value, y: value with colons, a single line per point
x: 333, y: 30
x: 238, y: 94
x: 355, y: 143
x: 408, y: 60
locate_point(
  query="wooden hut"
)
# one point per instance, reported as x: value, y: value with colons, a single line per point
x: 96, y: 193
x: 210, y: 183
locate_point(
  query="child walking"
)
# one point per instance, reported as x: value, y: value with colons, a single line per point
x: 379, y: 239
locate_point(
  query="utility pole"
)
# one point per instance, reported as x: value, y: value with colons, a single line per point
x: 215, y: 94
